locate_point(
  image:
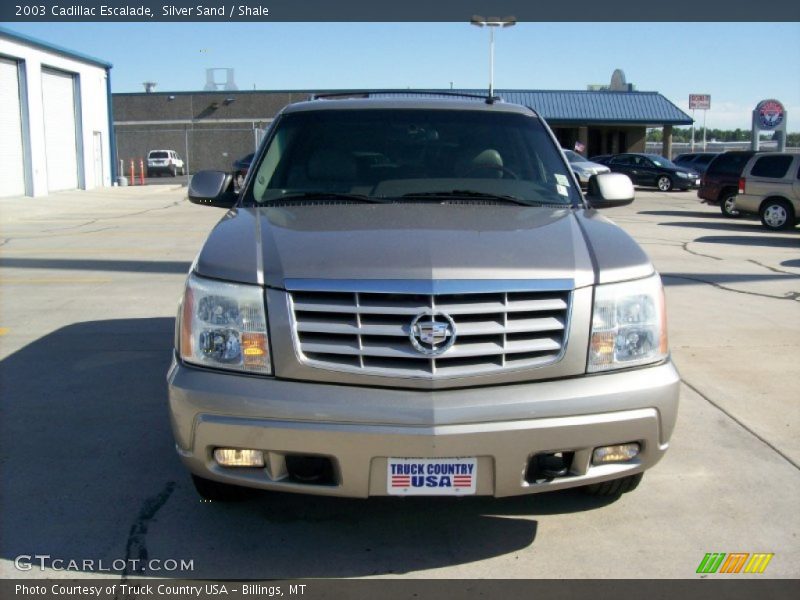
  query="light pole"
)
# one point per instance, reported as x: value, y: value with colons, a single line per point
x: 491, y: 23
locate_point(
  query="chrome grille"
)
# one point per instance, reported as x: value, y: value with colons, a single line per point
x: 368, y: 333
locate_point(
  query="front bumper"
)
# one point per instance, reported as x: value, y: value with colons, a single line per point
x: 686, y: 184
x: 358, y: 428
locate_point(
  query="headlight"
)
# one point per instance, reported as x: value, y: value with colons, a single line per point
x: 629, y: 325
x: 224, y: 325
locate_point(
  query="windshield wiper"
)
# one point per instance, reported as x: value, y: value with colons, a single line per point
x: 301, y: 196
x: 466, y: 195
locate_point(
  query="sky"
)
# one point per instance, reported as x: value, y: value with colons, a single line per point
x: 738, y: 64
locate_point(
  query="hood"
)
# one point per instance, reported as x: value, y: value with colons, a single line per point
x: 412, y: 241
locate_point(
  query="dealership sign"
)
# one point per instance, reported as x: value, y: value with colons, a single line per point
x: 699, y: 101
x: 770, y: 114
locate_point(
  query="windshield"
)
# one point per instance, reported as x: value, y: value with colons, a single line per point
x: 158, y: 155
x: 660, y: 161
x: 385, y: 155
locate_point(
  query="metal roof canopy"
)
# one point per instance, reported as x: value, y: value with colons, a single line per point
x: 578, y: 106
x: 558, y: 107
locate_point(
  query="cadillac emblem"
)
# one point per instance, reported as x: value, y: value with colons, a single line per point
x: 432, y: 333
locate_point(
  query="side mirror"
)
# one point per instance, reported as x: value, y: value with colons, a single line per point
x: 609, y: 189
x: 212, y: 188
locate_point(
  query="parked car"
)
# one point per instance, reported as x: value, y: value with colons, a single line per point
x: 161, y: 162
x: 652, y: 170
x: 696, y: 161
x: 411, y: 297
x: 770, y: 187
x: 240, y: 168
x: 583, y: 167
x: 719, y: 185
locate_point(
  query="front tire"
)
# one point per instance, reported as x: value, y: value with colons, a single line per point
x: 664, y: 183
x: 777, y: 214
x: 219, y: 492
x: 615, y: 487
x: 727, y: 205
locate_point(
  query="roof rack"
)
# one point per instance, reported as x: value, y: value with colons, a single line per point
x: 410, y: 92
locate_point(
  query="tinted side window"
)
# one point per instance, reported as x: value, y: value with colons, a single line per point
x: 729, y: 164
x: 771, y: 166
x: 621, y: 160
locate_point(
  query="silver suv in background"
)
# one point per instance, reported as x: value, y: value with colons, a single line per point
x: 412, y: 297
x: 770, y: 187
x: 583, y: 167
x: 165, y: 162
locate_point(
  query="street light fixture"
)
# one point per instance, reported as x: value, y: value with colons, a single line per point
x: 492, y: 23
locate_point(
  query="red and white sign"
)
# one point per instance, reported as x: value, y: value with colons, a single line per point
x: 431, y: 476
x: 699, y: 101
x: 770, y: 114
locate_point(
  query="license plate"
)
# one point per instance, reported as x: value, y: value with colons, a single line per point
x: 431, y: 476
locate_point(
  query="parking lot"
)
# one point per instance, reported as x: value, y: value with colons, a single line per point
x: 89, y: 284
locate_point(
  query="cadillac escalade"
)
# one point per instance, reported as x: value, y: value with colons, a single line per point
x: 412, y: 296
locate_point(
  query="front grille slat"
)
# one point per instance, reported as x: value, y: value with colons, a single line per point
x: 369, y: 332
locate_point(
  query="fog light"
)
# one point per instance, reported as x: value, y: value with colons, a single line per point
x: 237, y: 457
x: 614, y: 454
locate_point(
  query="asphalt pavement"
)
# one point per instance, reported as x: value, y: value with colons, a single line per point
x: 89, y: 284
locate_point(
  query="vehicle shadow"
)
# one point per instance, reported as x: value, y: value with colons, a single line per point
x: 682, y: 213
x: 89, y: 472
x: 689, y: 278
x: 727, y: 225
x: 82, y: 264
x: 771, y: 241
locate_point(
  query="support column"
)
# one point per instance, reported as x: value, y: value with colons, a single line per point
x: 583, y: 138
x: 666, y: 148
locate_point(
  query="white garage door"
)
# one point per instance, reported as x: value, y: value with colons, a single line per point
x: 12, y: 172
x: 58, y: 100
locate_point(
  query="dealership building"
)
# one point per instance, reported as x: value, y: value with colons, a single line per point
x: 55, y: 118
x: 210, y: 129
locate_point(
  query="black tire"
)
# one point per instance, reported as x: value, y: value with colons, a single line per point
x: 664, y: 183
x: 776, y: 214
x: 219, y: 492
x: 173, y: 171
x: 615, y: 487
x: 726, y: 205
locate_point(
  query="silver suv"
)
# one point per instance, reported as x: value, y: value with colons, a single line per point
x: 413, y: 297
x: 770, y: 187
x: 160, y: 162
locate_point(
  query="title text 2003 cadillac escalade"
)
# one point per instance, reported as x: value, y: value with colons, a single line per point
x: 412, y: 297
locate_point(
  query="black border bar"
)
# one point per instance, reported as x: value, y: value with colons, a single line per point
x: 729, y: 588
x: 678, y: 11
